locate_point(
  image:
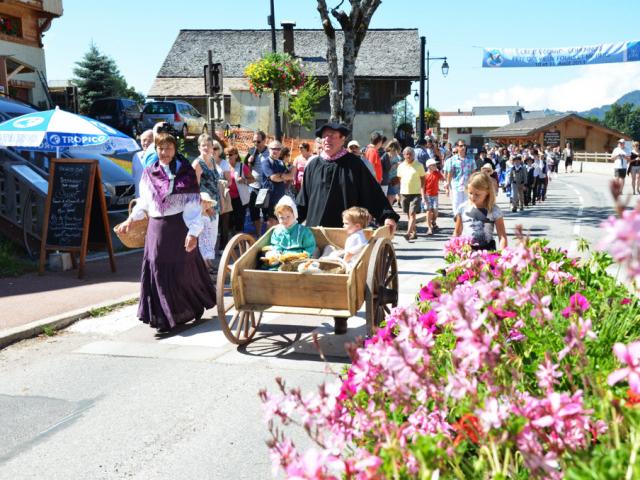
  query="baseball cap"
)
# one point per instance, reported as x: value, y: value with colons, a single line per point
x: 622, y: 140
x: 353, y: 143
x: 431, y: 161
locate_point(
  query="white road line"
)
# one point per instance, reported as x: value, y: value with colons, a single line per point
x: 573, y: 247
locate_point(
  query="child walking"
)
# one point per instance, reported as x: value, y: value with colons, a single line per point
x: 430, y: 194
x: 517, y: 179
x: 479, y: 216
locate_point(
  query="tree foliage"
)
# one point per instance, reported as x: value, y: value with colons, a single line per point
x: 431, y: 116
x: 97, y: 76
x: 625, y: 118
x: 303, y: 104
x: 403, y: 113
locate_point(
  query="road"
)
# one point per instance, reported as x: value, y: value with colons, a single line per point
x: 107, y: 399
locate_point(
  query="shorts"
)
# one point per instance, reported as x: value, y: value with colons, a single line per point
x: 635, y: 170
x: 393, y: 190
x: 568, y: 162
x: 620, y: 173
x: 257, y: 213
x: 410, y: 203
x: 432, y: 202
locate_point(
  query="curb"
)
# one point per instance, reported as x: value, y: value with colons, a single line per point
x: 57, y: 322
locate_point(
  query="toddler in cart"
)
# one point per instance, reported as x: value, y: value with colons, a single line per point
x: 354, y: 221
x: 289, y: 240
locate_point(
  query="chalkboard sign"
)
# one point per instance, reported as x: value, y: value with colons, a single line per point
x: 551, y: 138
x: 75, y: 212
x: 67, y: 216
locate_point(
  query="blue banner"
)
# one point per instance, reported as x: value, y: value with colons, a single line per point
x: 560, y: 57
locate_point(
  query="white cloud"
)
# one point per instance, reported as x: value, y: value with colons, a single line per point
x: 593, y: 86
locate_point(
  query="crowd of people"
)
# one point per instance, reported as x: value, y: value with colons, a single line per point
x: 200, y: 203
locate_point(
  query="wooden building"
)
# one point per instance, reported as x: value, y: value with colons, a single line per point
x: 22, y: 62
x: 388, y: 61
x: 584, y: 135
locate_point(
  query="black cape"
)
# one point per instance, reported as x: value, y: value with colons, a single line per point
x: 330, y: 187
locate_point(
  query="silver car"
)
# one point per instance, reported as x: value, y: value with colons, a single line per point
x: 182, y: 116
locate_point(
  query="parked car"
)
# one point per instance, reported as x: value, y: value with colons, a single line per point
x: 183, y: 117
x: 120, y: 113
x: 117, y: 183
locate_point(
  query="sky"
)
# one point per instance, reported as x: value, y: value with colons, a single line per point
x: 138, y: 34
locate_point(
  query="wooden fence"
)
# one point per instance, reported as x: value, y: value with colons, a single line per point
x: 592, y: 157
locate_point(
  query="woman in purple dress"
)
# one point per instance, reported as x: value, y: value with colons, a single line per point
x: 175, y: 286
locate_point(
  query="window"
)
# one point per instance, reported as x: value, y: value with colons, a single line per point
x: 159, y: 108
x: 463, y: 131
x: 578, y: 144
x: 10, y: 25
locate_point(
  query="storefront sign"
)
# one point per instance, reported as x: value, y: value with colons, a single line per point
x: 552, y: 138
x: 564, y: 56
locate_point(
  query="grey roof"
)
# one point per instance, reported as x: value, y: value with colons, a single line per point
x: 495, y: 110
x: 526, y: 115
x: 384, y: 53
x: 527, y: 127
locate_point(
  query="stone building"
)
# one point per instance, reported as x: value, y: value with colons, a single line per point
x: 388, y: 61
x: 23, y: 70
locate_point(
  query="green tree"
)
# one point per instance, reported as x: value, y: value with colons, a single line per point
x: 97, y: 76
x: 403, y: 114
x: 625, y: 118
x: 303, y: 104
x: 431, y: 117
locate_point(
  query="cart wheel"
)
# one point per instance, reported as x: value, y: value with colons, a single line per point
x: 381, y: 291
x: 242, y: 326
x: 237, y: 246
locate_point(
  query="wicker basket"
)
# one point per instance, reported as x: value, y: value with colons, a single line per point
x: 134, y: 238
x: 327, y: 266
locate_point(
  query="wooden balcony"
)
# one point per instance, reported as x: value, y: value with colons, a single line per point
x: 51, y: 8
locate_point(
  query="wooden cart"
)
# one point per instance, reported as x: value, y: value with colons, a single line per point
x: 373, y: 280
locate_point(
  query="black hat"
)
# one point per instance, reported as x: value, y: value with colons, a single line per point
x: 333, y: 126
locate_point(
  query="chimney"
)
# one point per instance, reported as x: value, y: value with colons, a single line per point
x: 287, y: 36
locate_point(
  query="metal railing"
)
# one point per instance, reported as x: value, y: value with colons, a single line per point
x: 592, y: 157
x: 21, y: 201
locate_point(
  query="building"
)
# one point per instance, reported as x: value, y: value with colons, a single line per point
x: 23, y: 70
x: 470, y: 128
x: 388, y: 61
x: 557, y: 129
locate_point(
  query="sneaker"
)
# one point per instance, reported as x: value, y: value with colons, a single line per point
x: 429, y: 232
x: 514, y: 209
x: 436, y: 228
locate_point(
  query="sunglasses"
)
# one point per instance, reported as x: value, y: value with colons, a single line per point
x: 216, y: 148
x: 275, y: 148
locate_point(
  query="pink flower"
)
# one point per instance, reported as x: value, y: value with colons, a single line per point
x: 547, y: 374
x: 629, y: 355
x: 577, y: 304
x: 430, y: 291
x: 625, y: 301
x: 501, y: 313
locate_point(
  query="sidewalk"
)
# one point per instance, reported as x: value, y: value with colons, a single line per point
x: 56, y: 299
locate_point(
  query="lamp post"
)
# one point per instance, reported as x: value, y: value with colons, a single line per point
x: 425, y: 62
x: 276, y: 93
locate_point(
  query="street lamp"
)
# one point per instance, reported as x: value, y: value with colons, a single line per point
x: 445, y: 70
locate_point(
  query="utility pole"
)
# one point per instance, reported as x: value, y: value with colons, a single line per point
x: 423, y: 42
x: 276, y: 93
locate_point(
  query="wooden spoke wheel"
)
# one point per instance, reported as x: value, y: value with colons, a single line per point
x: 242, y: 326
x: 381, y: 293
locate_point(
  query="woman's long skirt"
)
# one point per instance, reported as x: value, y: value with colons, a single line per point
x: 174, y: 286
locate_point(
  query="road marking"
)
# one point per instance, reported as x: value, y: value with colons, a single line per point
x: 573, y: 247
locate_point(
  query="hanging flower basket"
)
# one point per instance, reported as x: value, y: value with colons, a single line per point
x: 274, y: 71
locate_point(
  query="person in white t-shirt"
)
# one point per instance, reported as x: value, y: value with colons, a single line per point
x: 354, y: 221
x: 619, y: 156
x: 137, y: 167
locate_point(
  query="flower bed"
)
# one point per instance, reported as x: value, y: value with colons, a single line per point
x: 510, y: 365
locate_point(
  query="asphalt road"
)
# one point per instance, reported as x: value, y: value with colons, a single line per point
x: 107, y: 399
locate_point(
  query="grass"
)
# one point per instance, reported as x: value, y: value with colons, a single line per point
x: 13, y: 261
x: 48, y: 331
x: 102, y: 311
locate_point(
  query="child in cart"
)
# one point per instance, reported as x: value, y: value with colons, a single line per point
x: 289, y: 240
x: 354, y: 221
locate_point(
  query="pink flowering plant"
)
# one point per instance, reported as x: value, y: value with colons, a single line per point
x: 518, y: 364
